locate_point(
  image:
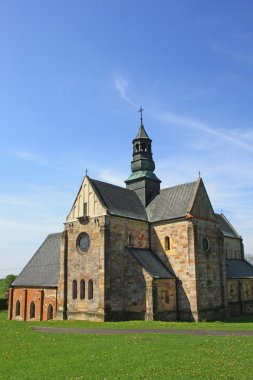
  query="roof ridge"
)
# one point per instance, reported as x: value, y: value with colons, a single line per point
x: 182, y: 184
x: 230, y: 225
x: 107, y: 183
x: 223, y: 217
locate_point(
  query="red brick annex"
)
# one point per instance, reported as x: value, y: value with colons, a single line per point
x: 137, y: 252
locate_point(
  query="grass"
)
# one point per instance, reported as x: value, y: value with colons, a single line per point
x: 26, y: 354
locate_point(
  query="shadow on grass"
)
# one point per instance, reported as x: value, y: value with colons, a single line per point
x: 240, y: 319
x: 244, y: 323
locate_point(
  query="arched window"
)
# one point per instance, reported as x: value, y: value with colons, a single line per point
x: 143, y: 147
x: 32, y: 310
x: 130, y: 239
x: 90, y: 289
x: 17, y: 311
x: 137, y: 147
x: 82, y: 289
x: 205, y: 244
x: 50, y: 312
x: 167, y: 243
x: 74, y: 289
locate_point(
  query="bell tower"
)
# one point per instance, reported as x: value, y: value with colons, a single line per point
x: 143, y: 179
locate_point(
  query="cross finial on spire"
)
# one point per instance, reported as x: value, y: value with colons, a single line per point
x: 199, y: 174
x: 141, y: 110
x: 86, y: 172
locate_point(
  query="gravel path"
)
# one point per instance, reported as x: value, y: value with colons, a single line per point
x: 70, y: 330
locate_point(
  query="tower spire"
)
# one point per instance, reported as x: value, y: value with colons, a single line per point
x: 143, y: 179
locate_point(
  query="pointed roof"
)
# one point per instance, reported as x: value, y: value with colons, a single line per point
x: 171, y: 203
x: 119, y: 200
x: 226, y: 228
x: 142, y: 134
x: 44, y: 266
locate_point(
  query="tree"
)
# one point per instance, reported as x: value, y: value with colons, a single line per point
x: 5, y: 284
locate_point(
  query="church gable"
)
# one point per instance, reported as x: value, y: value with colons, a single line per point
x: 201, y: 206
x: 87, y: 202
x: 171, y: 203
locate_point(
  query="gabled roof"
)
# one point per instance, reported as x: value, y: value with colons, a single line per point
x: 236, y: 268
x: 172, y: 202
x: 151, y: 263
x: 226, y: 228
x: 43, y: 268
x: 142, y: 134
x: 120, y: 201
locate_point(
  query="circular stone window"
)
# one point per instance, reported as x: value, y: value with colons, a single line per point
x: 83, y: 242
x: 205, y: 244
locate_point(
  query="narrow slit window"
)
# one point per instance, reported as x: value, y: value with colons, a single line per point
x: 90, y: 289
x: 17, y: 312
x: 74, y: 289
x: 32, y: 310
x: 82, y: 289
x: 167, y: 243
x: 130, y: 239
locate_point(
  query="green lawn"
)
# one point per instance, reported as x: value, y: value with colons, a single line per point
x: 26, y: 354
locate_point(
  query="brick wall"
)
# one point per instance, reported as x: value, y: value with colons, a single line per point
x: 42, y: 298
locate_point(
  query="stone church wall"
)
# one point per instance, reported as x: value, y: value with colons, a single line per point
x: 180, y: 258
x: 42, y: 298
x: 125, y: 282
x: 202, y: 292
x: 240, y: 296
x: 88, y: 266
x: 210, y: 271
x: 165, y: 300
x: 233, y: 248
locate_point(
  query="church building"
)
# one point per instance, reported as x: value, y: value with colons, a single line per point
x: 137, y: 252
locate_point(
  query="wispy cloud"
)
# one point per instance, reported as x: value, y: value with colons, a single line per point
x: 28, y: 156
x: 224, y: 157
x: 11, y: 200
x: 121, y: 85
x: 196, y: 124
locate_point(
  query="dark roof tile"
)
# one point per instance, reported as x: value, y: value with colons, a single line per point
x: 142, y: 134
x: 171, y: 203
x: 43, y: 268
x: 226, y: 228
x: 151, y: 262
x: 239, y: 268
x: 120, y: 201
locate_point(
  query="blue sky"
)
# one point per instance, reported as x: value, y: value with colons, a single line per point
x: 72, y: 77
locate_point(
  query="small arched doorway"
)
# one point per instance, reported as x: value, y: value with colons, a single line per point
x: 50, y: 312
